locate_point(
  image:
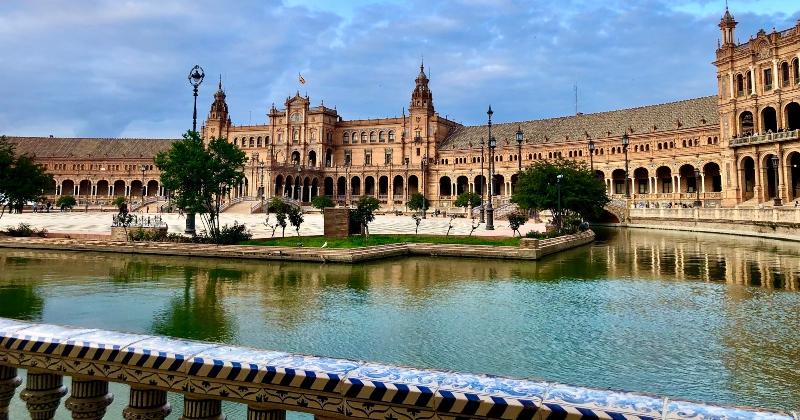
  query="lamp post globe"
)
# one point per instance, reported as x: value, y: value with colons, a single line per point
x: 777, y: 200
x: 625, y: 142
x: 697, y: 202
x: 196, y: 76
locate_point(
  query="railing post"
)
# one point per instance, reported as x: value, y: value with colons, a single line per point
x: 42, y: 394
x: 9, y: 381
x: 89, y: 399
x: 202, y: 409
x: 147, y: 404
x: 256, y: 413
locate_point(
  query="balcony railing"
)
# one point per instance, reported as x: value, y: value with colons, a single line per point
x: 768, y: 87
x: 271, y: 382
x: 764, y: 138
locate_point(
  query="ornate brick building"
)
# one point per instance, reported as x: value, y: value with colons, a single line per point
x: 308, y: 150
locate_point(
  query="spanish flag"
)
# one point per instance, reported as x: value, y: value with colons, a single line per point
x: 302, y: 81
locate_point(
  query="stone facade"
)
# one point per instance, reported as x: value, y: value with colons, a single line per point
x: 306, y: 150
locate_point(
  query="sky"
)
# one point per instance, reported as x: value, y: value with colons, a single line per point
x: 119, y: 68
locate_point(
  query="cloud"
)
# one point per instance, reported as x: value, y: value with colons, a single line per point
x: 109, y: 68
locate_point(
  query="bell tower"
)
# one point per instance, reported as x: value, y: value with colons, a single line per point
x: 218, y: 118
x: 421, y: 98
x: 728, y: 26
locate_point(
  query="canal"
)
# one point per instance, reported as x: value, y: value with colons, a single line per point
x: 696, y: 316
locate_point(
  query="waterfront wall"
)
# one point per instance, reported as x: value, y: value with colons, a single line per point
x: 776, y: 222
x: 271, y: 382
x: 531, y: 251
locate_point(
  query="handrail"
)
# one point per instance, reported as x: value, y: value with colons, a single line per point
x: 205, y: 373
x: 147, y: 200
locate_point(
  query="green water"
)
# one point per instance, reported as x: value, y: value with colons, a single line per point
x: 695, y: 316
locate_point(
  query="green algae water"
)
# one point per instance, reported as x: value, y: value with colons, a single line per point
x: 695, y: 316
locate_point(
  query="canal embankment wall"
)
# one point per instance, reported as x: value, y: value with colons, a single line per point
x: 529, y: 249
x: 270, y: 383
x: 772, y: 222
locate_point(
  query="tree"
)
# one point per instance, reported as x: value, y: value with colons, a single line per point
x: 468, y: 199
x: 322, y: 201
x: 364, y: 212
x: 295, y: 215
x: 22, y: 180
x: 582, y: 194
x: 67, y: 201
x: 418, y: 202
x: 515, y: 220
x: 118, y: 202
x: 281, y: 209
x: 199, y: 175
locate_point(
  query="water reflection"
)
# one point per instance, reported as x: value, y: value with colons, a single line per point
x: 687, y: 315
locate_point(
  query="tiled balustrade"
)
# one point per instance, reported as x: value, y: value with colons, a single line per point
x: 270, y: 383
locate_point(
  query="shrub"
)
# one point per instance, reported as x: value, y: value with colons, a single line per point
x: 67, y: 201
x: 321, y: 202
x: 230, y: 235
x: 515, y: 220
x: 141, y: 235
x: 542, y: 235
x: 22, y: 230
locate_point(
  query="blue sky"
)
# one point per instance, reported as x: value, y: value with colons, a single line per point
x: 109, y: 68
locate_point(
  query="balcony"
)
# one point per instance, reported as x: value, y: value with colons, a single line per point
x: 764, y: 138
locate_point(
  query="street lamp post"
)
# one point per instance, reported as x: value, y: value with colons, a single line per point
x: 697, y: 202
x: 777, y: 201
x: 483, y: 183
x: 591, y: 155
x: 424, y: 199
x: 558, y: 187
x: 195, y: 78
x: 492, y: 145
x: 625, y: 142
x: 519, y: 149
x: 144, y: 168
x: 261, y: 188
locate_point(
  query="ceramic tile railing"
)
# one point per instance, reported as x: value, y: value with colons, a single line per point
x: 270, y: 383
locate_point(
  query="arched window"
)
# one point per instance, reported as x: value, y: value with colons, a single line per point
x: 646, y: 148
x: 259, y: 142
x: 252, y: 142
x: 796, y: 71
x: 613, y: 150
x: 570, y: 153
x: 372, y: 137
x: 296, y: 136
x: 296, y: 117
x: 636, y: 148
x: 266, y: 140
x: 684, y: 143
x: 346, y: 138
x: 715, y: 140
x: 382, y: 137
x: 364, y: 137
x: 235, y: 141
x: 391, y: 137
x: 313, y: 135
x: 709, y: 140
x: 659, y: 146
x: 739, y: 85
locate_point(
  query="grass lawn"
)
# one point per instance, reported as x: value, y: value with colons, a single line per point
x: 361, y: 241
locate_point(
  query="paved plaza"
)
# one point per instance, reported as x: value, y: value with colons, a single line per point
x: 100, y: 223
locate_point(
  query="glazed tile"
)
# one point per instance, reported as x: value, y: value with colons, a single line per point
x: 233, y: 363
x: 699, y: 411
x: 161, y: 353
x: 8, y: 326
x: 565, y: 401
x: 40, y: 338
x: 98, y: 345
x: 398, y: 385
x: 309, y: 372
x: 466, y: 394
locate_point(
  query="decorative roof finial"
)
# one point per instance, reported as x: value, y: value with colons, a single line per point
x: 220, y: 82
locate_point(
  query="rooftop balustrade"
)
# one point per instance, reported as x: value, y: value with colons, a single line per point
x: 271, y: 382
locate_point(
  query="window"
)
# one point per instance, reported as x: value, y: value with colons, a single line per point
x: 296, y: 117
x: 368, y: 157
x: 348, y: 157
x: 716, y: 183
x: 372, y: 137
x: 619, y: 186
x: 388, y: 157
x: 266, y: 140
x: 296, y: 137
x: 346, y: 138
x: 235, y: 141
x: 642, y: 186
x: 691, y: 185
x: 796, y: 67
x: 768, y: 79
x: 391, y: 137
x: 785, y: 78
x: 259, y: 142
x: 382, y: 137
x: 252, y: 142
x: 418, y: 136
x: 666, y: 185
x: 280, y: 138
x: 313, y: 136
x: 417, y: 151
x: 364, y: 137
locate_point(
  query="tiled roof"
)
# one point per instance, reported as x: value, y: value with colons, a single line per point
x: 44, y: 147
x: 690, y: 113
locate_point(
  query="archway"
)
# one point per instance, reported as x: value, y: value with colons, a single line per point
x: 514, y: 179
x: 746, y: 123
x: 712, y: 178
x: 314, y: 188
x: 687, y: 179
x: 152, y: 188
x: 462, y: 185
x: 369, y: 186
x: 397, y: 184
x: 329, y: 158
x: 794, y: 165
x: 312, y: 158
x: 86, y: 187
x: 306, y: 193
x: 664, y: 179
x: 618, y: 182
x: 295, y: 158
x: 383, y: 186
x: 748, y: 168
x: 413, y: 185
x: 341, y: 187
x: 298, y: 188
x: 287, y: 188
x: 136, y: 188
x: 119, y: 188
x: 771, y: 176
x: 102, y: 188
x: 445, y: 186
x: 641, y: 181
x: 278, y: 185
x: 54, y: 188
x: 68, y: 187
x: 793, y: 116
x: 480, y: 183
x: 769, y: 119
x: 355, y: 187
x: 499, y: 187
x: 327, y: 188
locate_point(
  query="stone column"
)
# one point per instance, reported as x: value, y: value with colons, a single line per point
x: 759, y: 172
x: 256, y: 413
x: 202, y: 409
x: 733, y: 83
x: 703, y: 182
x: 42, y: 394
x: 89, y: 399
x: 9, y: 381
x: 147, y: 404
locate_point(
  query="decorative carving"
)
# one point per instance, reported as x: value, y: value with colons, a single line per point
x: 257, y: 413
x: 195, y: 409
x: 89, y: 399
x: 147, y: 404
x: 9, y: 381
x: 43, y: 394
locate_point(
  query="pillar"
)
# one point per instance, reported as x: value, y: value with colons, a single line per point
x: 759, y: 172
x: 256, y: 413
x: 150, y: 404
x: 703, y: 182
x: 202, y: 409
x: 89, y: 399
x: 42, y: 394
x: 9, y: 381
